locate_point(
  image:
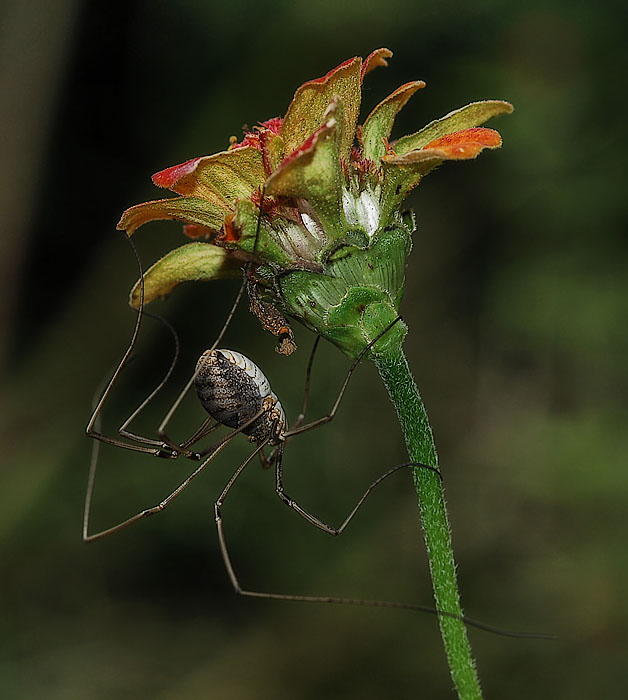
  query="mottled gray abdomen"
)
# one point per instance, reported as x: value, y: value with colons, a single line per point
x: 232, y: 390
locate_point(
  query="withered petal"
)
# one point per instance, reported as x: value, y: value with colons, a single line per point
x: 191, y: 210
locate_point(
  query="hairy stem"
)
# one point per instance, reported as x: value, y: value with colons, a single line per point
x: 395, y: 373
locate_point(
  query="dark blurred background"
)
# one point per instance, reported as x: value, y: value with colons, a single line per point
x: 517, y: 302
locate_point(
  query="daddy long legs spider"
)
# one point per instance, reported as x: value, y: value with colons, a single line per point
x: 236, y: 394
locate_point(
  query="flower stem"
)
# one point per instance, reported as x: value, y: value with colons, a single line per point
x: 395, y: 373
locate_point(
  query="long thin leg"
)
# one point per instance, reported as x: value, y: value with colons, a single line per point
x: 204, y: 430
x: 237, y: 587
x: 149, y: 511
x: 306, y: 393
x: 343, y: 388
x: 212, y: 450
x: 146, y: 445
x: 91, y: 429
x: 317, y: 522
x: 123, y: 429
x: 162, y: 447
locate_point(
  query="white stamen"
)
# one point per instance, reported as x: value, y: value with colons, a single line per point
x: 367, y: 206
x: 348, y: 204
x: 362, y: 210
x: 311, y: 225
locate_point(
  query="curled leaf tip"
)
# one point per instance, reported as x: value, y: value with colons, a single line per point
x: 376, y: 131
x: 375, y: 59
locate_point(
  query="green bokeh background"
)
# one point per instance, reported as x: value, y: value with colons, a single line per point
x: 517, y: 303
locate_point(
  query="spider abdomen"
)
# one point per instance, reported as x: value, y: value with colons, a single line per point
x: 232, y: 389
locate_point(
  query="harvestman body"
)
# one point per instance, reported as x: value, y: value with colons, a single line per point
x: 234, y: 390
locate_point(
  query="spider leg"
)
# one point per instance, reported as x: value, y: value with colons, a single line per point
x: 212, y: 451
x: 306, y: 393
x: 143, y: 513
x: 93, y: 427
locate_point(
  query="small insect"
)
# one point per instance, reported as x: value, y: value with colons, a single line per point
x: 236, y: 394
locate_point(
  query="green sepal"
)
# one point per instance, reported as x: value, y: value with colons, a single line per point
x: 474, y: 114
x: 399, y: 178
x: 344, y: 322
x: 340, y: 247
x: 332, y: 303
x: 189, y: 263
x: 375, y: 319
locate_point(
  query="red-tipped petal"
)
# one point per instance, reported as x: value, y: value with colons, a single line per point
x: 220, y: 179
x: 330, y: 74
x: 313, y: 172
x: 307, y: 110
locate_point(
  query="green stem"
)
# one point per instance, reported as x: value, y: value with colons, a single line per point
x: 395, y: 373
